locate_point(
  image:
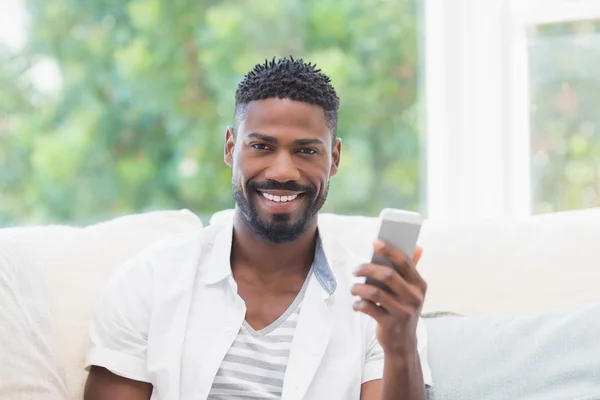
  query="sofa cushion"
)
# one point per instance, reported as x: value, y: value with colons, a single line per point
x: 78, y: 269
x: 30, y: 360
x: 545, y: 356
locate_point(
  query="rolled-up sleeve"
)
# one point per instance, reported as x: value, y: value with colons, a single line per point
x: 373, y: 368
x: 119, y: 326
x: 374, y: 357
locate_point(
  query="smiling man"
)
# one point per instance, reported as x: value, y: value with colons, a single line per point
x: 264, y: 307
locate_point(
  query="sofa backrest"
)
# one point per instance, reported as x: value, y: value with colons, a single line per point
x: 523, y: 266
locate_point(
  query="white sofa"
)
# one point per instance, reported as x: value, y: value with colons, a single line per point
x: 529, y: 290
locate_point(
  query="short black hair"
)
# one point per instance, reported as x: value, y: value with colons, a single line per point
x: 287, y: 78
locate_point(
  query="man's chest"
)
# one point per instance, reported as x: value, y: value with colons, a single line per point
x: 263, y: 309
x: 325, y: 353
x: 266, y: 303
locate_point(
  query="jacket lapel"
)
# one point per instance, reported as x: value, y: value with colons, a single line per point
x: 211, y: 329
x: 311, y: 339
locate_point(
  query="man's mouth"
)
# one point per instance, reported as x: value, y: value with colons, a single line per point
x: 279, y: 196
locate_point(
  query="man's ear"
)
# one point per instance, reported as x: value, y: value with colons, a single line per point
x: 229, y: 145
x: 336, y: 154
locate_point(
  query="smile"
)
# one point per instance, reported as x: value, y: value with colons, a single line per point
x: 279, y: 199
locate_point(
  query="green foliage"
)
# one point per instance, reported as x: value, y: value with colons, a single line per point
x: 147, y: 91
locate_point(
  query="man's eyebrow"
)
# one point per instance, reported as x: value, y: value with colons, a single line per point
x: 264, y: 138
x: 306, y: 142
x: 273, y: 139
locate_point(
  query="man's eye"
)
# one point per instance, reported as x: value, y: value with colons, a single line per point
x: 260, y: 146
x: 308, y: 151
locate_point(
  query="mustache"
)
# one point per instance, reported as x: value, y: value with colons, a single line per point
x: 292, y: 186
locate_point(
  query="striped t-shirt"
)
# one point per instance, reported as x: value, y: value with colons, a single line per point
x: 254, y: 366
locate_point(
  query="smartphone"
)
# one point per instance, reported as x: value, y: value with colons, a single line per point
x: 401, y: 229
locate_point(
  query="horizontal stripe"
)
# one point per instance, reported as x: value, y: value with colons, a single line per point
x: 242, y: 389
x: 250, y: 378
x: 288, y: 324
x: 263, y: 347
x: 250, y: 387
x: 253, y: 350
x: 281, y: 345
x: 275, y: 370
x: 239, y: 397
x: 255, y: 363
x: 226, y: 366
x: 247, y: 336
x: 277, y: 338
x: 221, y: 394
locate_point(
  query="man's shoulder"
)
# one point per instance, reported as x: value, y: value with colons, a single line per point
x: 178, y: 250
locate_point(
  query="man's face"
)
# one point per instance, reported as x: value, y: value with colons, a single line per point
x: 282, y: 156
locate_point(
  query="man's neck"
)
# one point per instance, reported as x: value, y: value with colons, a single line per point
x: 268, y: 261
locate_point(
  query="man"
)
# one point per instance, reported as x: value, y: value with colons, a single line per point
x: 264, y: 307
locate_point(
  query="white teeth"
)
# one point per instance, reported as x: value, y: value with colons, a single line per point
x: 278, y: 199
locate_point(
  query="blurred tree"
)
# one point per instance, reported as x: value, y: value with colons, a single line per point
x: 146, y: 91
x: 565, y: 123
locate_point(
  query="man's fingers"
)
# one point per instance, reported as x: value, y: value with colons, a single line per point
x: 404, y: 265
x: 391, y: 302
x: 364, y: 306
x: 400, y: 289
x: 386, y: 275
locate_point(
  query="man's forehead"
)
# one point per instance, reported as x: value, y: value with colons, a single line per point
x: 284, y: 112
x: 277, y: 135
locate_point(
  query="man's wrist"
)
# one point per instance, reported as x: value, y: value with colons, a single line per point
x: 403, y: 377
x: 402, y: 360
x: 404, y: 352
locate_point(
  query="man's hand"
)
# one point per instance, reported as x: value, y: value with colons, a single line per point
x: 397, y: 311
x: 397, y: 314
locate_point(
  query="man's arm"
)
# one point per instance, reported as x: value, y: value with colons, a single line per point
x: 371, y: 390
x: 402, y: 380
x: 116, y: 360
x: 397, y: 315
x: 104, y: 385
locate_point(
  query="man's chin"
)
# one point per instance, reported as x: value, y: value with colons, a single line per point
x: 281, y: 219
x: 278, y: 228
x: 269, y: 217
x: 278, y: 233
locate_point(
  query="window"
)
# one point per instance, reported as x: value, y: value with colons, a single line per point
x: 564, y: 82
x: 121, y: 107
x: 512, y: 90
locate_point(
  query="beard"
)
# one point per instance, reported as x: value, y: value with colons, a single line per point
x: 281, y: 229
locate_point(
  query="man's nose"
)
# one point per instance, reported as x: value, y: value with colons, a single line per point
x: 282, y: 169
